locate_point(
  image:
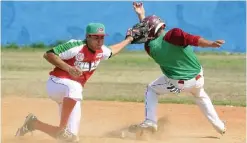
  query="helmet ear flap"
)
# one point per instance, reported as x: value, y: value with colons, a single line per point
x: 159, y: 30
x: 151, y: 34
x: 163, y: 26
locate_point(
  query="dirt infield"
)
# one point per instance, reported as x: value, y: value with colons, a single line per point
x: 103, y: 122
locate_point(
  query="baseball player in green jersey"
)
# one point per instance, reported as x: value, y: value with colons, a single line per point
x: 182, y: 72
x: 75, y: 61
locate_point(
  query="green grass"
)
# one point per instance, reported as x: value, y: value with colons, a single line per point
x: 177, y: 100
x: 124, y: 77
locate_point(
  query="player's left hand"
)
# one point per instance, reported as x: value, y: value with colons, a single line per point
x: 139, y: 32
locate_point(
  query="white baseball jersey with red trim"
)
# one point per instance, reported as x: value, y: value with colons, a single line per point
x: 76, y: 53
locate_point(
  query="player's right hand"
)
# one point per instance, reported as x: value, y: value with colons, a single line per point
x: 138, y: 7
x: 217, y: 43
x: 75, y: 72
x: 173, y: 89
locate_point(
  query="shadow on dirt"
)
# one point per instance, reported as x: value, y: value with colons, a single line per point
x: 205, y: 137
x: 123, y: 133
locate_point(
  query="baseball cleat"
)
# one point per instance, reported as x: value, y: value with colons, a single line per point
x: 221, y: 131
x: 74, y: 141
x: 26, y: 127
x: 65, y: 136
x: 147, y: 125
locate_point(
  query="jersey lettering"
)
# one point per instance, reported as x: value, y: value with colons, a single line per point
x: 87, y: 66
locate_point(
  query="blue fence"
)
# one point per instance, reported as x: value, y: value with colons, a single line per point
x: 48, y: 21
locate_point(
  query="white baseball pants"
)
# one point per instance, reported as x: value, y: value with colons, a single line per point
x: 193, y: 86
x: 57, y: 89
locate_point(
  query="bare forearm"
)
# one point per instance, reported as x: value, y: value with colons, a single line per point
x: 204, y: 43
x: 141, y: 17
x: 56, y: 61
x: 119, y: 46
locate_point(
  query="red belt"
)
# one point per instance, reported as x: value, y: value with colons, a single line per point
x: 182, y: 81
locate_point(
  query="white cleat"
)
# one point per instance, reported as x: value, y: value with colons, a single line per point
x: 65, y: 136
x: 221, y: 131
x: 147, y: 125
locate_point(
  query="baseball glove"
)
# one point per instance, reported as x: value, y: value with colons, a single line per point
x: 139, y: 32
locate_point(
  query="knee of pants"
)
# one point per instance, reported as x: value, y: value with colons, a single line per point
x: 150, y: 88
x: 199, y: 92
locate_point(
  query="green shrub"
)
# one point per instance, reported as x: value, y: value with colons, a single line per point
x: 11, y: 46
x: 38, y: 45
x: 58, y: 42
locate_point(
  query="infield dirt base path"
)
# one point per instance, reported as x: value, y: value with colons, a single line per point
x: 103, y: 122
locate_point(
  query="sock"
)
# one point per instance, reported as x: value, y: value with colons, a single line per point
x: 46, y: 128
x: 67, y: 107
x: 74, y: 119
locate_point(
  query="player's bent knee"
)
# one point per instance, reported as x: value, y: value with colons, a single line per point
x: 150, y: 88
x: 199, y: 93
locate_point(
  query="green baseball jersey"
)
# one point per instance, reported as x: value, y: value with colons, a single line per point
x: 176, y: 60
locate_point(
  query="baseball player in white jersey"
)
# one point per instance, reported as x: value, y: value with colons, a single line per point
x: 74, y: 61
